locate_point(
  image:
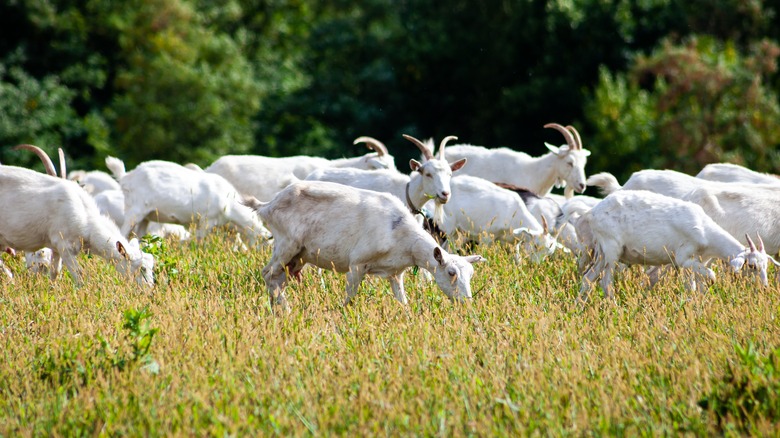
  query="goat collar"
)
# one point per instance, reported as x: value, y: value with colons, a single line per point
x: 409, y: 203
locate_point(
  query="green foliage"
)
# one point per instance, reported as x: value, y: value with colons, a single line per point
x: 164, y: 260
x: 78, y: 364
x: 34, y: 111
x: 687, y: 105
x: 748, y: 392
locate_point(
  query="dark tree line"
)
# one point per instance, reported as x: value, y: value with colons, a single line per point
x: 650, y: 83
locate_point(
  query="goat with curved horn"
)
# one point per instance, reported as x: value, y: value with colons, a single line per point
x: 63, y: 172
x: 443, y: 143
x: 566, y: 134
x: 47, y: 163
x: 372, y: 143
x: 577, y: 137
x: 426, y: 153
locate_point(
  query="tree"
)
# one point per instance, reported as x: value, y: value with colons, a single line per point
x: 689, y: 104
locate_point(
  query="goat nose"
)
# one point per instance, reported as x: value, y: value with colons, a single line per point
x: 581, y: 187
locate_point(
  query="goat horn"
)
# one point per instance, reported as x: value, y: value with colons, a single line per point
x: 41, y: 154
x: 576, y: 134
x: 760, y: 243
x: 444, y: 143
x: 566, y: 134
x: 426, y: 153
x: 372, y: 143
x: 750, y: 243
x: 63, y: 172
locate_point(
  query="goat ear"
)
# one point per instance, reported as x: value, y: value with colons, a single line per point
x: 438, y: 255
x: 553, y: 149
x: 121, y: 249
x: 458, y: 164
x: 415, y: 165
x: 524, y: 230
x: 475, y: 259
x: 585, y: 152
x: 376, y: 163
x: 737, y: 263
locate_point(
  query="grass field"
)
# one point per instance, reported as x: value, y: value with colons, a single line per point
x: 205, y: 355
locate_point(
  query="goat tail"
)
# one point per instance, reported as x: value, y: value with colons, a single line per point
x: 116, y: 166
x: 252, y: 202
x: 605, y: 181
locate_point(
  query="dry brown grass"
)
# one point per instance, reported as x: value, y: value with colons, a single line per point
x: 523, y: 357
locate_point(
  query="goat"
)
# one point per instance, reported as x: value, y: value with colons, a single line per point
x: 742, y: 209
x: 111, y: 203
x: 645, y: 228
x: 162, y: 191
x: 484, y: 212
x: 546, y: 210
x: 727, y: 172
x: 537, y: 174
x: 428, y: 180
x: 738, y: 208
x: 665, y: 182
x: 45, y: 211
x: 356, y: 231
x: 262, y: 177
x: 96, y: 181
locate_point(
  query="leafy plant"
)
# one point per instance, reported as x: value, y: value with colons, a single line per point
x: 78, y: 364
x: 749, y: 391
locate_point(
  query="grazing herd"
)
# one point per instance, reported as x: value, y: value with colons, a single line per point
x: 361, y: 216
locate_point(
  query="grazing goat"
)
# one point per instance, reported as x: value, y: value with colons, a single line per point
x: 738, y: 208
x: 263, y: 177
x: 742, y: 209
x: 484, y: 212
x: 537, y: 174
x: 111, y: 203
x: 45, y: 211
x: 428, y: 180
x: 162, y: 191
x: 96, y: 181
x: 645, y: 228
x: 727, y: 172
x: 356, y: 231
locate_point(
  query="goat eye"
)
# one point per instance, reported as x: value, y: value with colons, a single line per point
x: 428, y: 175
x: 570, y: 164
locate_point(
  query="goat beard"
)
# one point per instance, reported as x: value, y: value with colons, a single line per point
x: 438, y: 213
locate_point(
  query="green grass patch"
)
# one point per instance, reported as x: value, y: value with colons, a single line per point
x: 203, y: 354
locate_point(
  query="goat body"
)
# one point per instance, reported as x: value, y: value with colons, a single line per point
x: 263, y: 177
x: 356, y: 231
x: 537, y: 174
x: 727, y: 172
x: 45, y: 211
x: 162, y: 191
x: 640, y: 227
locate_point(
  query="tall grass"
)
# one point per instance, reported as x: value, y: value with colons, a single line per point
x: 205, y: 355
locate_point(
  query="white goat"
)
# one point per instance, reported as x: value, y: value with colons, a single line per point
x: 429, y: 180
x: 742, y: 209
x: 727, y: 172
x: 96, y: 181
x: 738, y: 208
x: 356, y: 231
x: 665, y: 182
x: 537, y: 174
x: 162, y: 191
x: 111, y: 203
x: 263, y: 177
x: 547, y: 211
x: 645, y: 228
x: 45, y: 211
x: 484, y: 212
